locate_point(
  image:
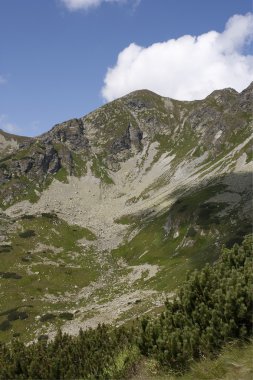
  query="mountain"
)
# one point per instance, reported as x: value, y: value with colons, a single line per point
x: 102, y: 216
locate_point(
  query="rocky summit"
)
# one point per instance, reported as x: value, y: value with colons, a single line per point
x: 102, y: 216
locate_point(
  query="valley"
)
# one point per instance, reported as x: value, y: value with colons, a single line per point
x: 102, y: 217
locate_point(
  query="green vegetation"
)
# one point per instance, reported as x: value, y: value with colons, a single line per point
x: 20, y: 188
x: 45, y: 265
x: 232, y: 363
x: 79, y: 164
x: 103, y: 353
x: 112, y: 121
x: 249, y: 153
x: 212, y: 308
x: 61, y: 275
x: 9, y: 275
x: 183, y: 238
x: 99, y: 170
x: 127, y: 219
x: 62, y: 175
x: 27, y: 234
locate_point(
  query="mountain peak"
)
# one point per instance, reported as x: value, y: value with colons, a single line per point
x: 248, y: 89
x: 141, y: 92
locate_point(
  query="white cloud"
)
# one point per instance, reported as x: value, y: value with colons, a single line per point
x: 186, y: 68
x: 76, y: 5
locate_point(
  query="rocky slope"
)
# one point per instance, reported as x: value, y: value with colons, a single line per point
x: 102, y: 212
x: 125, y: 128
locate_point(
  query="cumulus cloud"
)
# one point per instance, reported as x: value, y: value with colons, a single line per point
x: 189, y: 67
x: 76, y: 5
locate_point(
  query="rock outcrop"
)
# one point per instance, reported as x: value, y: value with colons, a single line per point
x: 122, y: 129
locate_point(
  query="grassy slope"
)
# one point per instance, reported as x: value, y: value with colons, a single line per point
x: 233, y: 363
x: 49, y: 261
x: 196, y: 234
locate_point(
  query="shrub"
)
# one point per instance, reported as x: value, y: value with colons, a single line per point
x: 27, y: 234
x: 47, y: 317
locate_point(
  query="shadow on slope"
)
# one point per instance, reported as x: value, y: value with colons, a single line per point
x: 191, y: 232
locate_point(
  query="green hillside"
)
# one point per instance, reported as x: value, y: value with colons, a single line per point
x: 203, y: 318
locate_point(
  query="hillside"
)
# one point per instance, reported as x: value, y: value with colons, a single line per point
x: 212, y: 309
x: 102, y: 216
x: 235, y: 361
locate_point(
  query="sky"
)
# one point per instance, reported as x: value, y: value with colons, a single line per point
x: 61, y: 59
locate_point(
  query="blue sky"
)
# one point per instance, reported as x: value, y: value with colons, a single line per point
x: 55, y: 54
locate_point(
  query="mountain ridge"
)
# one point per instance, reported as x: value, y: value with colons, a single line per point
x: 116, y: 206
x: 134, y: 93
x: 92, y: 134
